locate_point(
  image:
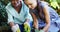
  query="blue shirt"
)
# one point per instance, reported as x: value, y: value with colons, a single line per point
x: 14, y: 16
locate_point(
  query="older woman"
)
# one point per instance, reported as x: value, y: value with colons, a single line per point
x: 18, y: 15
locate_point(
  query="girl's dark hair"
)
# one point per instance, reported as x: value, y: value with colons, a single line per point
x: 40, y: 10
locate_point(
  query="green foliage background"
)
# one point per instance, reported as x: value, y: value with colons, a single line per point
x: 4, y: 17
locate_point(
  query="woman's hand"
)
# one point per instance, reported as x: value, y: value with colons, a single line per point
x: 15, y: 28
x: 11, y: 24
x: 27, y: 26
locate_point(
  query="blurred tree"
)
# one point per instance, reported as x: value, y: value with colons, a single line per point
x: 55, y: 4
x: 4, y: 27
x: 5, y: 2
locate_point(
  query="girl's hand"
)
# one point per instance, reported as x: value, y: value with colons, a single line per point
x: 36, y: 30
x: 35, y: 21
x: 41, y: 31
x: 35, y: 25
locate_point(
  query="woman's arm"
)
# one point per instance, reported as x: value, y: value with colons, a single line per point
x: 47, y: 18
x: 35, y: 21
x: 11, y: 24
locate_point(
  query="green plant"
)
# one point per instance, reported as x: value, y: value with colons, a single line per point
x: 4, y: 27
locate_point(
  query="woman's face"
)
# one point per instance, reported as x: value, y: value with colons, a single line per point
x: 31, y: 3
x: 16, y: 3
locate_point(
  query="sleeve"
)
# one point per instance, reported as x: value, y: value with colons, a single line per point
x: 10, y: 18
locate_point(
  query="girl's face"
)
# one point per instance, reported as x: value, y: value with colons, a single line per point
x: 16, y: 3
x: 31, y: 3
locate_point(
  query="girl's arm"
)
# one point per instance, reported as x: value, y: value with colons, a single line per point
x: 35, y: 21
x: 47, y: 19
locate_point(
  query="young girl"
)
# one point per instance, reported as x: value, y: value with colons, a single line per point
x: 43, y: 15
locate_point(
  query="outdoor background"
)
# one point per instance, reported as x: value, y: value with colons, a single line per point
x: 4, y: 27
